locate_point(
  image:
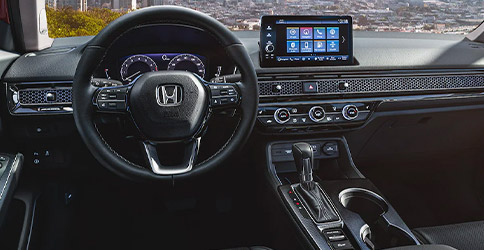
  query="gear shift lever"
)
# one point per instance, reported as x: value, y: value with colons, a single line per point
x: 303, y: 156
x: 312, y: 196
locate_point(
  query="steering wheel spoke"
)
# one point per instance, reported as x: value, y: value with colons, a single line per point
x: 111, y: 99
x: 190, y: 155
x: 224, y: 95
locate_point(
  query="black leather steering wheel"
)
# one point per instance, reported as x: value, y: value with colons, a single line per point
x: 165, y: 106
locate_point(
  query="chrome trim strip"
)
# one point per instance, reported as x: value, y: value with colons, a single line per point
x: 159, y: 169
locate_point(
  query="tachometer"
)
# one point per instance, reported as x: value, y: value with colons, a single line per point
x: 187, y: 62
x: 136, y: 65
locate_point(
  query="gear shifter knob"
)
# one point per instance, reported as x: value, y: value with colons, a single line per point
x: 303, y: 157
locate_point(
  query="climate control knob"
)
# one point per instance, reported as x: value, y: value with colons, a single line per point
x: 350, y: 112
x: 281, y: 115
x: 316, y: 114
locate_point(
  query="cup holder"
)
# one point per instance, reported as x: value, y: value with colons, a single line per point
x: 377, y: 232
x: 369, y: 205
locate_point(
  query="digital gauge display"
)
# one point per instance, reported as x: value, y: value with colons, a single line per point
x: 134, y: 65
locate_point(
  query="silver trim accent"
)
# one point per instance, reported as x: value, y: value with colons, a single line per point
x: 159, y: 169
x: 363, y: 190
x: 446, y: 81
x: 314, y: 119
x: 165, y: 98
x: 21, y: 92
x: 277, y: 118
x: 13, y: 169
x: 365, y: 231
x: 345, y: 110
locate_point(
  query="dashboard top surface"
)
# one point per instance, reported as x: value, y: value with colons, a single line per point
x: 373, y: 51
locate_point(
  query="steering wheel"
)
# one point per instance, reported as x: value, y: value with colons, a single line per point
x: 166, y: 106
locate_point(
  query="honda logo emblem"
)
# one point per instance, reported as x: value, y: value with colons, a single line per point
x: 169, y: 95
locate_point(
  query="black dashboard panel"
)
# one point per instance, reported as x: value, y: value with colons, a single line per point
x: 385, y: 51
x: 390, y: 64
x: 374, y: 51
x: 6, y: 58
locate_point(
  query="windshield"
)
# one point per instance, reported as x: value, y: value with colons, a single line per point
x: 88, y: 17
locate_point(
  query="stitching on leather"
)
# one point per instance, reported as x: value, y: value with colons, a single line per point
x: 113, y: 151
x: 224, y: 146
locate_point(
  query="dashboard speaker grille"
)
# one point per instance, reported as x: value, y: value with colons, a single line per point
x: 374, y: 85
x: 40, y: 96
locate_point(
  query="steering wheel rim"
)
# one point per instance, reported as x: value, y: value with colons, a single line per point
x: 95, y: 51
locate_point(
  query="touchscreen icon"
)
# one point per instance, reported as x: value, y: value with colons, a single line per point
x: 306, y: 33
x: 319, y: 33
x: 292, y: 46
x: 306, y: 46
x: 333, y: 46
x: 319, y: 46
x: 333, y: 33
x: 292, y: 33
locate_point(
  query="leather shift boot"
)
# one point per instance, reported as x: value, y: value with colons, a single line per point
x: 317, y: 204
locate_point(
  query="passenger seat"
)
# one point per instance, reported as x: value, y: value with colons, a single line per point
x: 464, y: 236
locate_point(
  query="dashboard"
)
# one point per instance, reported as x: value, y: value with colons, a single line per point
x: 386, y: 64
x: 393, y: 74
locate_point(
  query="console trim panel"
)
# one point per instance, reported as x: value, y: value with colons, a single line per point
x: 372, y: 85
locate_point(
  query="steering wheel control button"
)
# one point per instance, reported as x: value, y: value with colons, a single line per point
x: 223, y: 95
x: 316, y: 114
x: 350, y: 112
x: 101, y: 82
x: 112, y: 99
x: 310, y: 87
x: 282, y: 115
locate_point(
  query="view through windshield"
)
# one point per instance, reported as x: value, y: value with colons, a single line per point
x: 87, y: 17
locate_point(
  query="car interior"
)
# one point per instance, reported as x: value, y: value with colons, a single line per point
x: 167, y: 130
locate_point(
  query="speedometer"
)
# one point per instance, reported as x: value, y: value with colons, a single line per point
x: 137, y: 65
x: 187, y: 62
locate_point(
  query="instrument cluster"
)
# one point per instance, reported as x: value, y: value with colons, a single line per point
x: 135, y: 65
x: 160, y: 47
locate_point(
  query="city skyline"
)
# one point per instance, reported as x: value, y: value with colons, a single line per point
x: 434, y: 16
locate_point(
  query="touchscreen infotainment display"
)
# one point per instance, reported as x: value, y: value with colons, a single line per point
x: 306, y: 41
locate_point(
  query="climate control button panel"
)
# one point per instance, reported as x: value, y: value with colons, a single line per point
x: 315, y: 114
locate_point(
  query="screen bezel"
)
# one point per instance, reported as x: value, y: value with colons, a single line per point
x: 271, y: 19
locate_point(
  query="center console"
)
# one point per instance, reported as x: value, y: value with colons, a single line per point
x: 329, y: 199
x: 336, y: 206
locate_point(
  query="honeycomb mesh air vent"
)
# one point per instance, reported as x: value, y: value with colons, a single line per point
x: 376, y: 85
x: 39, y: 96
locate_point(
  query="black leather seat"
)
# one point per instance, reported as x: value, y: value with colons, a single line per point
x: 462, y: 236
